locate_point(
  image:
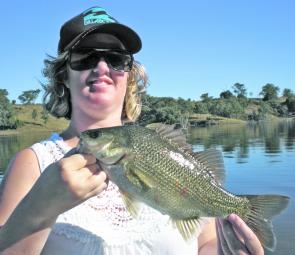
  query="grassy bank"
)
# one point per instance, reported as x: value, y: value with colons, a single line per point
x: 208, y: 119
x: 33, y: 122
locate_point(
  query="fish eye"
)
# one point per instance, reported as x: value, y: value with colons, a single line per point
x: 93, y: 135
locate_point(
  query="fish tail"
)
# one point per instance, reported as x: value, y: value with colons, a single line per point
x: 262, y: 209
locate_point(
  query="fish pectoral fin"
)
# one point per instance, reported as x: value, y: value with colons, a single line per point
x: 146, y: 180
x: 140, y: 180
x: 134, y: 179
x: 187, y: 227
x: 131, y: 204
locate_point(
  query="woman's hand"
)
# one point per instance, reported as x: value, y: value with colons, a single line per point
x: 69, y: 182
x: 236, y: 238
x: 34, y: 201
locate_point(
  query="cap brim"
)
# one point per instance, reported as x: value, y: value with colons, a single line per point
x: 126, y: 35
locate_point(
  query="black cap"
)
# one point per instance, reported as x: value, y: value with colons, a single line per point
x: 96, y: 21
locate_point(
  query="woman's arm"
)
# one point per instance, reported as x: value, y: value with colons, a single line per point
x: 20, y: 176
x: 29, y: 205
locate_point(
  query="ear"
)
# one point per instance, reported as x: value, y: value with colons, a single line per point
x: 65, y: 78
x: 66, y: 83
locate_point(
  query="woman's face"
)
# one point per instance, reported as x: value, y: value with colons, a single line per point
x: 98, y: 91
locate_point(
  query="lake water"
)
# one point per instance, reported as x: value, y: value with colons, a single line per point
x: 258, y: 158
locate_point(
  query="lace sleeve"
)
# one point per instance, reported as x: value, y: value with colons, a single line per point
x: 49, y: 151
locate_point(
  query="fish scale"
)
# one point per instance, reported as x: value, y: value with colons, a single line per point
x: 150, y: 149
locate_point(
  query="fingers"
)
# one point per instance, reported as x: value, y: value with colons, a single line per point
x: 234, y: 244
x: 223, y: 248
x: 77, y: 161
x: 71, y: 152
x: 250, y: 239
x: 93, y: 176
x: 97, y: 190
x: 82, y: 175
x: 96, y: 180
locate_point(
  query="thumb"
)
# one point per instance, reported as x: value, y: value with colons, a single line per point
x: 71, y: 152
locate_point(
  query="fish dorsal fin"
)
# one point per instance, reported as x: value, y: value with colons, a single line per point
x: 171, y: 133
x: 187, y: 228
x: 131, y: 204
x: 213, y: 159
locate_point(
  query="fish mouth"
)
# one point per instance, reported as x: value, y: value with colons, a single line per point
x: 103, y: 144
x: 96, y: 146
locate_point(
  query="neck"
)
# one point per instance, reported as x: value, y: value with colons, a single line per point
x: 78, y: 125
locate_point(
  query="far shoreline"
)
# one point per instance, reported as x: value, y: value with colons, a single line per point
x: 214, y: 121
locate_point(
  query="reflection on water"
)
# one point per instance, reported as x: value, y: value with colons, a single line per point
x: 272, y: 137
x: 259, y: 158
x: 11, y: 144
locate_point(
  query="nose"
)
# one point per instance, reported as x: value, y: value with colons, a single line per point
x: 101, y: 66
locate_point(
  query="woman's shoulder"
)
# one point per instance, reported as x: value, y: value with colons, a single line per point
x: 24, y: 162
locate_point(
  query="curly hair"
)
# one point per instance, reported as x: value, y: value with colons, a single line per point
x: 57, y: 97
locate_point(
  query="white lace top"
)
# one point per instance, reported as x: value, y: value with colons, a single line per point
x: 101, y: 225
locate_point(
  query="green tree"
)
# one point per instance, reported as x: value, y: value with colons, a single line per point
x: 277, y: 108
x: 34, y: 114
x: 240, y: 90
x: 230, y: 108
x: 290, y: 102
x: 4, y: 94
x: 263, y: 110
x: 269, y: 92
x: 185, y: 106
x: 288, y: 93
x: 201, y: 107
x: 44, y: 116
x: 29, y: 96
x: 165, y: 109
x: 226, y: 94
x: 7, y: 119
x: 205, y: 98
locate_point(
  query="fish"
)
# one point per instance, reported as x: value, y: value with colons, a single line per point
x: 155, y: 165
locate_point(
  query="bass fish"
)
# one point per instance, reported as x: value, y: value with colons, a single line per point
x: 155, y: 165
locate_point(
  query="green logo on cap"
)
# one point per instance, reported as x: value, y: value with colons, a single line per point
x: 97, y: 15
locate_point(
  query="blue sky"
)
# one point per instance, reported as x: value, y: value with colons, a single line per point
x: 190, y: 47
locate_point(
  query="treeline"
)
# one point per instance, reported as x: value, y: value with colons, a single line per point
x: 236, y: 104
x: 8, y: 116
x: 232, y: 103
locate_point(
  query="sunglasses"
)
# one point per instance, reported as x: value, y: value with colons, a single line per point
x: 84, y: 59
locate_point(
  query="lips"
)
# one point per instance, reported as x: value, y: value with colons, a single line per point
x: 99, y: 80
x: 99, y: 83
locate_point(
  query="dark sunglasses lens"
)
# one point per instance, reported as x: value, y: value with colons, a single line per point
x: 82, y: 60
x: 119, y: 61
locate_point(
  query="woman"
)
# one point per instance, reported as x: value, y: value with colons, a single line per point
x: 56, y: 201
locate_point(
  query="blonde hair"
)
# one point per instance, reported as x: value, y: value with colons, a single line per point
x: 57, y: 97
